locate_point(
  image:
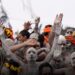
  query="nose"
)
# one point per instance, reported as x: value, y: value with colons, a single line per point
x: 31, y: 55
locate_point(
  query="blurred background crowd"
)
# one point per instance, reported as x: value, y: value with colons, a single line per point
x: 32, y: 52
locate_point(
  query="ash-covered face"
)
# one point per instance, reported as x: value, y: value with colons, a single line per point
x: 31, y: 54
x: 73, y: 59
x: 69, y: 32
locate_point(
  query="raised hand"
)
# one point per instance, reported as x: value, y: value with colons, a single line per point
x: 31, y: 42
x: 57, y: 24
x: 27, y: 25
x: 56, y: 29
x: 37, y: 20
x: 58, y: 19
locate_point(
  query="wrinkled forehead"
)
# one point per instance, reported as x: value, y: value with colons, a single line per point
x: 69, y: 30
x: 29, y: 50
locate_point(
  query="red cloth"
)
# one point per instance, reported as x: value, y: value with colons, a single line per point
x: 71, y: 39
x: 48, y: 29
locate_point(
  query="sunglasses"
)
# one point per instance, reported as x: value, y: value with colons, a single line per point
x: 70, y: 32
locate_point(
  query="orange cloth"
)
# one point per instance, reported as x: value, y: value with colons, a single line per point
x: 71, y: 39
x: 48, y: 29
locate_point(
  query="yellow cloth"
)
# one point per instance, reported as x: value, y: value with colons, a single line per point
x: 12, y: 67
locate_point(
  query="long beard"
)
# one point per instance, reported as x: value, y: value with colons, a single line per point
x: 32, y: 60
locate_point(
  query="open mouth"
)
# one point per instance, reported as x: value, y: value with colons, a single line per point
x: 32, y: 57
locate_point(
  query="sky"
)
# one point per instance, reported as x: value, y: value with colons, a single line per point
x: 20, y: 11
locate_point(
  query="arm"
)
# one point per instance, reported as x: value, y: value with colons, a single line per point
x: 56, y: 29
x: 50, y: 54
x: 18, y: 46
x: 53, y: 38
x: 60, y: 71
x: 29, y: 42
x: 36, y: 29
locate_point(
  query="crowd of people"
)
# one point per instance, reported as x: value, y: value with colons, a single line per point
x: 48, y: 53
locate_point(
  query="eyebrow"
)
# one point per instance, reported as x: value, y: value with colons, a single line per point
x: 32, y: 51
x: 73, y: 57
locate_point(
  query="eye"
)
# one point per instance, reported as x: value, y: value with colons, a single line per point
x: 29, y: 52
x: 32, y: 52
x: 73, y: 58
x: 69, y: 32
